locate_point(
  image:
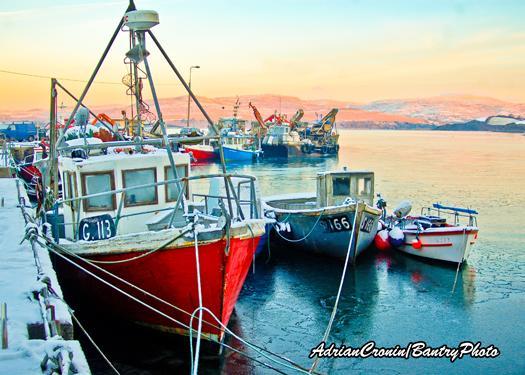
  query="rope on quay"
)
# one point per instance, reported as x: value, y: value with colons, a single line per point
x: 334, y: 310
x: 306, y: 236
x: 62, y: 355
x: 53, y: 248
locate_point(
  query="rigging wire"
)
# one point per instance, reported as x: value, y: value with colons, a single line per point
x: 42, y: 76
x: 146, y: 305
x: 51, y: 246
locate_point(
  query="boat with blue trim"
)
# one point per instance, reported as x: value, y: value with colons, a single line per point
x: 429, y: 235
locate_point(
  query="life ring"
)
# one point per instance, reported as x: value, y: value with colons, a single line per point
x: 324, y: 149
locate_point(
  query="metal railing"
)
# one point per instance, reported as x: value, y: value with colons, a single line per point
x: 183, y: 183
x: 472, y: 219
x: 137, y: 142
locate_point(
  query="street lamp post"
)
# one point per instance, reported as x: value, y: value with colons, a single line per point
x: 189, y: 85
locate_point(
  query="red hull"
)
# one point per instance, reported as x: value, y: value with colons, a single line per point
x: 201, y: 155
x: 171, y: 275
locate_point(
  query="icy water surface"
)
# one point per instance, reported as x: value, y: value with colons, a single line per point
x: 390, y: 298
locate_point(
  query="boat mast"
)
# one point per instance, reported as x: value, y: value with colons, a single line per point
x: 136, y: 125
x: 53, y: 167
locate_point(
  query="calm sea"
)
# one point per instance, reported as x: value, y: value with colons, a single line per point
x: 388, y: 297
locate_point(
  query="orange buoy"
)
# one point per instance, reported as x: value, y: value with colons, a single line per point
x: 416, y: 244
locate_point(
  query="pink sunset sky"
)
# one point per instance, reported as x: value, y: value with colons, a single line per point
x: 356, y: 51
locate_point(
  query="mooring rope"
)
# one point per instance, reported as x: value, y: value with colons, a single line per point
x: 91, y: 340
x: 188, y: 327
x: 465, y: 242
x: 195, y: 361
x: 305, y: 237
x: 50, y: 246
x: 334, y: 310
x: 294, y: 367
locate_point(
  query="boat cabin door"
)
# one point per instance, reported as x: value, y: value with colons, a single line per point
x: 335, y: 186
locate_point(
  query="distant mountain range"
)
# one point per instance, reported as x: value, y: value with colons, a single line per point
x: 395, y: 114
x: 446, y: 109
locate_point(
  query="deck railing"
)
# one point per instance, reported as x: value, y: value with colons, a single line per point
x: 450, y: 212
x: 238, y: 213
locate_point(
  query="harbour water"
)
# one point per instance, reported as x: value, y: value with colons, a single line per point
x: 388, y: 297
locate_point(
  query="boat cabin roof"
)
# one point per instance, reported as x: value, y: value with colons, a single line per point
x: 334, y: 187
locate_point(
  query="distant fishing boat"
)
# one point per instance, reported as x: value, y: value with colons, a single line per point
x: 290, y: 138
x: 240, y: 154
x: 202, y: 152
x: 240, y: 147
x: 26, y: 158
x: 431, y: 236
x: 237, y: 143
x: 323, y: 223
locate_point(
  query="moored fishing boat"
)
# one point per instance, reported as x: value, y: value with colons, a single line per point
x: 130, y: 236
x: 26, y: 159
x: 325, y: 222
x: 202, y: 152
x: 292, y: 138
x: 240, y: 154
x: 238, y: 146
x: 125, y: 219
x: 430, y: 236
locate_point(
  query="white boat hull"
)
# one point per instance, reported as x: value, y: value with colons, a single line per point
x: 450, y: 244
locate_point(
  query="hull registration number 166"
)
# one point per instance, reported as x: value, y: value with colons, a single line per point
x: 338, y: 224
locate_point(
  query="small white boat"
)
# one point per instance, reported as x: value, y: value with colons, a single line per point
x: 430, y: 236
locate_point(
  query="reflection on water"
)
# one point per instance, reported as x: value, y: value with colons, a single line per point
x: 388, y: 297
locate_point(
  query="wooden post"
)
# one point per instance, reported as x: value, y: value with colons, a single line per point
x: 3, y: 320
x: 53, y: 167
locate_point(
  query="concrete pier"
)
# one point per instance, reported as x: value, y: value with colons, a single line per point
x: 37, y: 330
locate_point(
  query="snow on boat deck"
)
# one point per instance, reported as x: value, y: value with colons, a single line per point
x: 18, y: 280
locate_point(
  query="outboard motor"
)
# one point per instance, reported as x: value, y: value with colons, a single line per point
x: 403, y: 209
x: 381, y: 204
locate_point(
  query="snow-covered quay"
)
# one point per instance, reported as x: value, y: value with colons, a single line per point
x: 37, y: 334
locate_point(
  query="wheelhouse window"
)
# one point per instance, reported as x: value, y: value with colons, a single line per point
x: 341, y: 186
x: 364, y: 186
x: 67, y: 186
x: 98, y: 182
x: 172, y: 190
x: 142, y: 196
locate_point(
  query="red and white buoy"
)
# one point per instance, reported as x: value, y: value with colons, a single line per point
x: 381, y: 240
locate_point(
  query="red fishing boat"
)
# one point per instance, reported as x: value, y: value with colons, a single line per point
x: 202, y: 152
x: 124, y: 219
x: 131, y: 237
